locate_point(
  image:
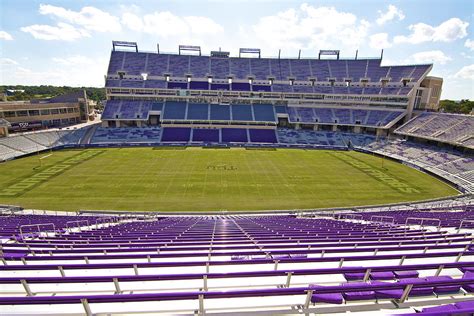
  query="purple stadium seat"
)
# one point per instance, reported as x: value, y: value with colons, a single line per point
x: 205, y: 135
x: 406, y: 274
x: 175, y: 134
x: 262, y: 135
x: 388, y: 275
x: 238, y: 135
x: 468, y: 287
x: 446, y: 288
x: 443, y: 309
x: 418, y: 290
x: 330, y: 298
x: 361, y: 295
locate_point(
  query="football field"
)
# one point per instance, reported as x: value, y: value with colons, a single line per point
x: 198, y: 179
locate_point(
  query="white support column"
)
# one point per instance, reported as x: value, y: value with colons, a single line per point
x: 406, y: 292
x: 26, y: 287
x: 204, y: 279
x: 402, y: 260
x: 308, y: 299
x: 61, y: 270
x: 86, y: 306
x: 118, y: 290
x: 440, y: 268
x: 201, y: 305
x: 341, y: 262
x: 135, y: 269
x: 288, y: 279
x: 367, y: 275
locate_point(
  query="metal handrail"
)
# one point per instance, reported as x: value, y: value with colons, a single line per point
x: 38, y: 226
x: 373, y: 217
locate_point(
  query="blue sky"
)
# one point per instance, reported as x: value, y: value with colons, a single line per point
x: 69, y: 42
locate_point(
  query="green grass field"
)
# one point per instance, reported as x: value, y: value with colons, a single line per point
x: 197, y: 179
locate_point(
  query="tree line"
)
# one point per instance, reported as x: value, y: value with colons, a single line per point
x: 39, y: 92
x: 461, y: 107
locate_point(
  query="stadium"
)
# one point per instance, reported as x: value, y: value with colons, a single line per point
x: 244, y: 185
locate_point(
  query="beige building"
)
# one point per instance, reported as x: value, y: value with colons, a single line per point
x: 428, y: 94
x: 39, y: 114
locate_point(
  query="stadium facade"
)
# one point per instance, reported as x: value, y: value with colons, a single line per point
x: 406, y: 258
x: 189, y: 92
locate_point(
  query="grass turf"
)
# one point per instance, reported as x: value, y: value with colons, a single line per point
x: 196, y: 179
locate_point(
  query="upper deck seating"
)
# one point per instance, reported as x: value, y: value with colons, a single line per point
x: 450, y: 128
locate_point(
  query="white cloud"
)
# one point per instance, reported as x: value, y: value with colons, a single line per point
x: 433, y: 56
x: 469, y: 44
x: 447, y: 31
x: 466, y: 72
x: 308, y: 27
x: 7, y: 62
x: 73, y: 60
x: 72, y: 71
x: 392, y: 13
x: 61, y: 32
x: 379, y: 41
x: 90, y: 18
x: 5, y: 36
x: 166, y: 24
x: 73, y: 25
x: 468, y: 56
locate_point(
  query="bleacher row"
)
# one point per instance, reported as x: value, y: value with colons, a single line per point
x: 19, y: 145
x: 437, y: 218
x: 275, y: 87
x: 183, y: 66
x: 284, y: 136
x: 187, y: 111
x: 183, y: 135
x: 235, y: 264
x: 455, y: 167
x: 262, y: 113
x: 343, y: 116
x: 456, y: 129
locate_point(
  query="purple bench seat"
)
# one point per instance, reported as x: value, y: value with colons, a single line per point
x: 468, y: 287
x: 464, y: 308
x: 360, y: 295
x: 376, y: 286
x: 443, y: 309
x: 383, y: 275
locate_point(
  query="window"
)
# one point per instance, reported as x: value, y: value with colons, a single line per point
x: 33, y: 112
x: 21, y: 113
x: 44, y: 112
x: 9, y: 113
x: 54, y: 111
x: 62, y: 111
x: 70, y: 110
